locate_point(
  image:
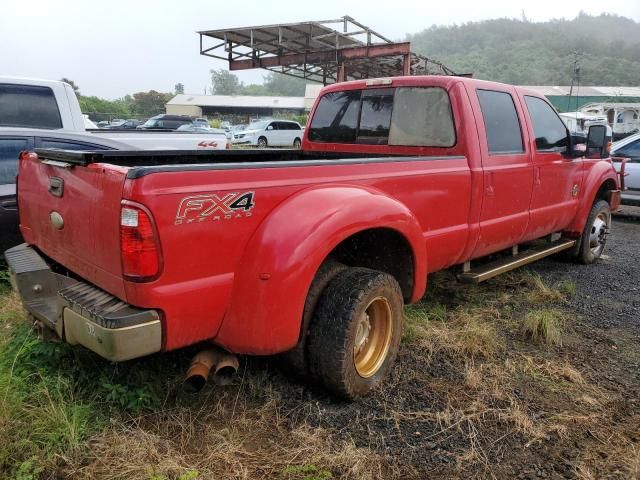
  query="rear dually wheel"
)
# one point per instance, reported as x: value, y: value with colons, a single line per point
x: 355, y: 332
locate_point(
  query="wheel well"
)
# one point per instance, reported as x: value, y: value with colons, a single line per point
x: 381, y: 249
x: 603, y: 191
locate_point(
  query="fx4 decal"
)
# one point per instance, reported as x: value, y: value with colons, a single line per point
x: 224, y: 206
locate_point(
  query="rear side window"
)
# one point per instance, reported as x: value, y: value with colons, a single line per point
x: 500, y: 122
x: 422, y: 117
x: 550, y: 131
x: 336, y: 118
x: 10, y: 148
x: 28, y: 106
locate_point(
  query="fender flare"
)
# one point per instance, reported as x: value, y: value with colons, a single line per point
x: 597, y: 176
x: 284, y: 253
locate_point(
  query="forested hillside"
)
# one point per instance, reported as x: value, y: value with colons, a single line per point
x: 527, y: 53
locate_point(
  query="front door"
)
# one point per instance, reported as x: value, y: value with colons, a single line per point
x: 507, y: 169
x: 557, y: 177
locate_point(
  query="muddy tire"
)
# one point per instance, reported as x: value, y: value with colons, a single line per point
x: 294, y: 362
x: 356, y: 330
x: 594, y: 236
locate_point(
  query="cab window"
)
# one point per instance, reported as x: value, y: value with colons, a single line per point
x: 403, y: 116
x: 28, y: 106
x: 550, y: 132
x: 336, y: 118
x: 422, y: 117
x: 375, y: 116
x: 500, y: 122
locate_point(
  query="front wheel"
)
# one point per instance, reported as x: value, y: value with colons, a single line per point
x: 356, y: 330
x: 594, y: 236
x: 262, y: 142
x: 296, y: 143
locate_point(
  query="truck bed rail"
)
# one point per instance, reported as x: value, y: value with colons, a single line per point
x: 131, y: 158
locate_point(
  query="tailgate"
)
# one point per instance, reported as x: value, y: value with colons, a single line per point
x: 71, y: 213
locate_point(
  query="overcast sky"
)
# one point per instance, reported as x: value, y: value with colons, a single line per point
x: 114, y: 47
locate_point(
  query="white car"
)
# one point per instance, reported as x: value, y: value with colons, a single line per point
x: 629, y: 147
x: 53, y: 105
x: 270, y: 133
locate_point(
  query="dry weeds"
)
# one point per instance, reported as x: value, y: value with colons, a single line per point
x: 233, y: 435
x: 467, y: 333
x: 10, y: 306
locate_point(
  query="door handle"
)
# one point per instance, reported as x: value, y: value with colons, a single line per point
x: 56, y: 186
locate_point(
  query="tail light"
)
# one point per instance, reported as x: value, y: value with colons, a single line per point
x: 139, y: 245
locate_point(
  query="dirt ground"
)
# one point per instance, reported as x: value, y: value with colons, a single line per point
x: 587, y: 430
x: 587, y: 426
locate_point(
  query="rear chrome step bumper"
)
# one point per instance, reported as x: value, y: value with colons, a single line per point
x: 80, y: 313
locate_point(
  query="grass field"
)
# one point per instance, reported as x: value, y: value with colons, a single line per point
x: 494, y: 359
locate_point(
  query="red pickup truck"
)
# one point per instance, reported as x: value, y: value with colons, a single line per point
x: 308, y: 254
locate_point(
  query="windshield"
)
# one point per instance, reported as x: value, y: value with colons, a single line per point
x: 259, y: 125
x: 151, y: 123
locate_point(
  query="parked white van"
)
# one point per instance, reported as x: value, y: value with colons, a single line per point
x: 270, y: 133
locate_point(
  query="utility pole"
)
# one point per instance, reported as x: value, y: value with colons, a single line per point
x: 575, y: 77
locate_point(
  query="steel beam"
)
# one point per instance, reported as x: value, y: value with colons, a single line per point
x: 374, y: 51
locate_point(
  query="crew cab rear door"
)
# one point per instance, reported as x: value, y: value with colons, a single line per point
x: 557, y: 177
x: 507, y: 167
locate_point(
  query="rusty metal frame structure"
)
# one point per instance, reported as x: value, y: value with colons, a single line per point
x: 317, y: 51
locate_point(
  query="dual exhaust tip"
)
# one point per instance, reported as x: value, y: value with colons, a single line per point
x: 223, y: 364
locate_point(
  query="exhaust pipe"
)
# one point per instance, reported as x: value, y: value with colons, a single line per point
x: 223, y: 363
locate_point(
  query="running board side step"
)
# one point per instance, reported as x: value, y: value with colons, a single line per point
x: 502, y: 265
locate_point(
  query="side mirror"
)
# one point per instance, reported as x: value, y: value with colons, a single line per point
x: 270, y: 127
x: 597, y: 142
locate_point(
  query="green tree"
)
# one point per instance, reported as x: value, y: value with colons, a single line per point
x: 179, y: 88
x: 254, y: 89
x: 73, y: 85
x: 149, y: 103
x: 284, y: 85
x: 224, y: 82
x: 538, y: 53
x: 100, y: 109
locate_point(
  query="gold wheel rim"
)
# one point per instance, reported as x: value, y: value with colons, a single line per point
x: 373, y: 337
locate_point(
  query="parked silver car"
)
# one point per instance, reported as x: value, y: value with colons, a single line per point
x: 629, y: 147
